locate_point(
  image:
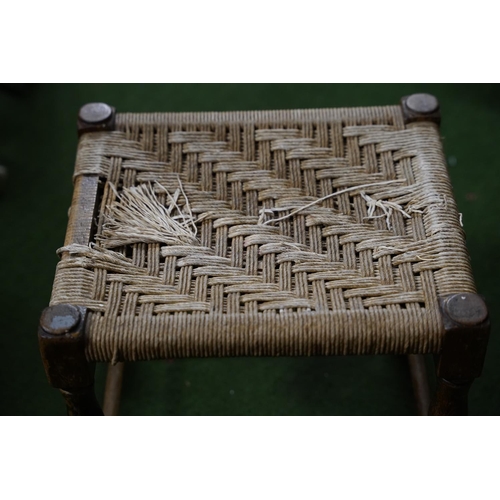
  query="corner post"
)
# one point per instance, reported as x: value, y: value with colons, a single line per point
x: 61, y: 337
x: 96, y: 117
x: 461, y: 360
x: 420, y: 108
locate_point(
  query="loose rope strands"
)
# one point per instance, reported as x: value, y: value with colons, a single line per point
x: 193, y: 255
x: 338, y: 193
x: 138, y: 217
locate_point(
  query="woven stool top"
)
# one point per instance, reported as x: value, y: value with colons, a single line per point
x: 302, y: 232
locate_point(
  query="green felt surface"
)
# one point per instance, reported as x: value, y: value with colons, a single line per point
x: 38, y: 143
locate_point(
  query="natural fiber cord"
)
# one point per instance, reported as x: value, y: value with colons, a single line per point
x: 300, y: 232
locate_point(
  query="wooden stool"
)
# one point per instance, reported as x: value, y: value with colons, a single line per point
x: 263, y: 233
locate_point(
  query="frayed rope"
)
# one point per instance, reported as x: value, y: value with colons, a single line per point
x: 387, y: 206
x: 138, y: 217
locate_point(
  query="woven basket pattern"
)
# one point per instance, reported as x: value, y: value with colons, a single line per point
x: 328, y: 279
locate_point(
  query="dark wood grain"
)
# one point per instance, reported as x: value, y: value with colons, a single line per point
x: 83, y: 210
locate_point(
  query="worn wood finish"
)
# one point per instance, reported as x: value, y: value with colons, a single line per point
x: 420, y: 383
x: 112, y: 392
x: 83, y: 210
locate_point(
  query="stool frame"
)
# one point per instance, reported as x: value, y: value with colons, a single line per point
x: 61, y: 331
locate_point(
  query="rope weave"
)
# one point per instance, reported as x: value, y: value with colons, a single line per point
x: 273, y: 271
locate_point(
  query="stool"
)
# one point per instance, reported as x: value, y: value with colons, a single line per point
x: 263, y: 233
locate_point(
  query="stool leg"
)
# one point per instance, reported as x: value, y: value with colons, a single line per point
x: 465, y: 318
x: 450, y: 398
x: 113, y: 389
x: 82, y: 403
x: 420, y: 383
x: 62, y: 346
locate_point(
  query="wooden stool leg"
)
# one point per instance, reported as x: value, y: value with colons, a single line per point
x: 420, y: 383
x: 450, y: 398
x: 82, y: 402
x: 113, y: 389
x: 62, y: 345
x: 465, y: 318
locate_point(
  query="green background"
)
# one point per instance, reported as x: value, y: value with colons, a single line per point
x: 38, y: 142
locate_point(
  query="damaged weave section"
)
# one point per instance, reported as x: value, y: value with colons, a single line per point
x: 138, y: 216
x: 306, y: 232
x: 387, y: 207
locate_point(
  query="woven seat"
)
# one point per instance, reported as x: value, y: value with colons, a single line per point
x: 265, y: 233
